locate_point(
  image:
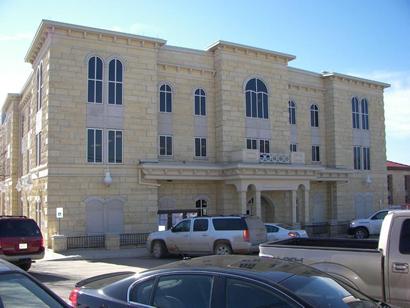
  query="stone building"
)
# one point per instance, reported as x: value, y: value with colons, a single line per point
x: 127, y: 134
x: 398, y: 183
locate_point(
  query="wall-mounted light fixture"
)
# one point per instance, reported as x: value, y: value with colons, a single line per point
x: 107, y: 178
x: 368, y: 180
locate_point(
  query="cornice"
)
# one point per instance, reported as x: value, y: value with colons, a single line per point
x: 190, y: 69
x: 355, y: 80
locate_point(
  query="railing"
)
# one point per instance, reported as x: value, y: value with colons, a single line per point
x: 87, y: 241
x: 275, y: 158
x: 138, y: 239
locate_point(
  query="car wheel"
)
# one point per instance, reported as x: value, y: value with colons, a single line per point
x: 222, y: 248
x: 158, y: 250
x: 25, y: 266
x: 361, y: 233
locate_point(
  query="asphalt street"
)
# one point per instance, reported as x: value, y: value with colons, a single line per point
x: 61, y: 275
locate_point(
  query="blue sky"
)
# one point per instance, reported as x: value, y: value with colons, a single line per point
x: 366, y: 38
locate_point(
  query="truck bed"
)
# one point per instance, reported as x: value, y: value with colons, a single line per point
x: 324, y: 243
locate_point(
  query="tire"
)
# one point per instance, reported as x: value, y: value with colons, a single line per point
x: 361, y: 233
x: 25, y: 266
x: 158, y: 249
x: 222, y: 248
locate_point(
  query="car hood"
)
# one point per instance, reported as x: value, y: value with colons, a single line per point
x: 159, y: 234
x: 360, y: 221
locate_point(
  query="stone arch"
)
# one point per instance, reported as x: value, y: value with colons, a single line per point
x: 268, y: 209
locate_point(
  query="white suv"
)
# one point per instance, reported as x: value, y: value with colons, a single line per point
x: 362, y: 228
x: 205, y: 235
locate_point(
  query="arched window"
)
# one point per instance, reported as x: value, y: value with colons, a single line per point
x: 39, y: 86
x: 365, y: 114
x: 165, y: 98
x: 256, y: 99
x: 355, y: 112
x: 314, y: 116
x: 95, y: 78
x: 200, y: 102
x: 292, y: 112
x: 201, y: 204
x: 115, y: 82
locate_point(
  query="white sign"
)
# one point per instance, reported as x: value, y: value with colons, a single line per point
x: 59, y: 212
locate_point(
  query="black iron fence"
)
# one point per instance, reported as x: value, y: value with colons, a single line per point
x: 87, y: 241
x: 138, y: 239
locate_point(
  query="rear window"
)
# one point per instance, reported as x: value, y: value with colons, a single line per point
x: 229, y: 224
x: 18, y: 228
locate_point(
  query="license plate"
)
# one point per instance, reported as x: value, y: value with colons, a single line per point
x: 23, y: 246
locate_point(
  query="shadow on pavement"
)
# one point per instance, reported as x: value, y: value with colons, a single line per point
x: 47, y: 277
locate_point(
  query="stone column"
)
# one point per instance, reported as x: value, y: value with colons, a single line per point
x: 307, y: 207
x: 258, y: 203
x: 243, y: 202
x: 294, y: 207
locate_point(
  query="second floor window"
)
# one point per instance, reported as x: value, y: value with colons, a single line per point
x: 200, y: 147
x: 39, y: 80
x: 365, y: 114
x: 264, y: 146
x: 115, y: 82
x: 293, y: 147
x: 355, y: 113
x: 292, y: 112
x: 165, y: 145
x: 115, y: 146
x: 366, y: 158
x: 314, y: 116
x: 38, y: 149
x: 94, y: 145
x: 200, y: 102
x: 256, y: 95
x: 258, y: 144
x: 315, y: 153
x: 251, y: 144
x: 357, y: 163
x: 95, y: 80
x: 165, y: 98
x: 361, y: 158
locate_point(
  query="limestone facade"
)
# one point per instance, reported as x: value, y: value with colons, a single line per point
x: 147, y: 187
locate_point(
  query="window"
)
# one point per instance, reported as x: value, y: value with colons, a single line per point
x: 314, y: 116
x: 356, y: 158
x: 355, y: 113
x: 256, y: 99
x: 271, y: 229
x: 115, y: 82
x: 404, y: 245
x: 201, y: 205
x: 292, y: 112
x: 251, y: 144
x: 200, y: 102
x: 293, y: 147
x: 315, y: 153
x: 390, y: 188
x: 366, y: 158
x: 365, y: 114
x: 38, y: 149
x: 165, y: 145
x: 264, y: 146
x: 407, y: 187
x: 380, y: 215
x: 141, y: 293
x: 115, y: 146
x: 200, y: 147
x: 258, y: 144
x: 200, y: 225
x: 94, y: 145
x: 165, y: 98
x: 183, y: 226
x: 39, y: 86
x: 233, y: 224
x: 95, y: 80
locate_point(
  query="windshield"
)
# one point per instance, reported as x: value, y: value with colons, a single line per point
x: 323, y: 292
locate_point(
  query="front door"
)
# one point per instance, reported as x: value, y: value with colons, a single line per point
x: 399, y: 263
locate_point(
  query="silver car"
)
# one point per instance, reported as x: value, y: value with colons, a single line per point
x: 220, y: 235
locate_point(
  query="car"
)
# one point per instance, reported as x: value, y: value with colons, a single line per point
x: 279, y: 231
x: 203, y: 235
x: 21, y: 241
x: 363, y: 228
x: 233, y: 281
x: 20, y: 289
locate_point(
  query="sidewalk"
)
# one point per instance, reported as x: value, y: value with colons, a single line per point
x: 95, y: 254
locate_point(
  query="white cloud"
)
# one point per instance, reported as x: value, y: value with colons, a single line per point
x: 16, y: 37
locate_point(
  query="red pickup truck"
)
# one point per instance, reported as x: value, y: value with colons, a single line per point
x: 21, y: 241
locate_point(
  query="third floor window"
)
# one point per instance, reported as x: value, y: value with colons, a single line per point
x: 95, y: 80
x: 200, y: 102
x: 314, y: 116
x: 292, y: 112
x: 165, y: 98
x: 115, y: 82
x: 256, y: 99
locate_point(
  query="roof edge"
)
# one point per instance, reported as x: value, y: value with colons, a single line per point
x: 378, y: 83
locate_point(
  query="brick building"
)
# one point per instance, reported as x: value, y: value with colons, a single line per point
x: 128, y: 134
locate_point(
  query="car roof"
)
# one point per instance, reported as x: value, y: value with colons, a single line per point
x: 269, y: 269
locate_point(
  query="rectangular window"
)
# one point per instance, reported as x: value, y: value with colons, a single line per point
x: 165, y: 145
x: 200, y: 147
x: 356, y: 158
x: 115, y: 146
x: 293, y: 147
x: 251, y: 144
x: 407, y: 187
x: 38, y: 149
x: 39, y: 86
x: 366, y: 158
x: 390, y: 188
x: 264, y: 146
x: 94, y: 145
x: 315, y: 153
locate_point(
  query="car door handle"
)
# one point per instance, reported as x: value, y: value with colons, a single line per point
x: 204, y: 234
x: 400, y: 267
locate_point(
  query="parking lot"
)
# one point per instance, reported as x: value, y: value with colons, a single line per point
x: 60, y: 275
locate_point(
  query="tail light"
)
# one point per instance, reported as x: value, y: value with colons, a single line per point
x: 293, y: 234
x: 246, y: 235
x: 74, y: 297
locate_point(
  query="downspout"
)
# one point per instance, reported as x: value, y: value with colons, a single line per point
x: 141, y: 182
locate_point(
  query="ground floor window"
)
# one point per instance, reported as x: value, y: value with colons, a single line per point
x: 201, y: 205
x: 315, y: 153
